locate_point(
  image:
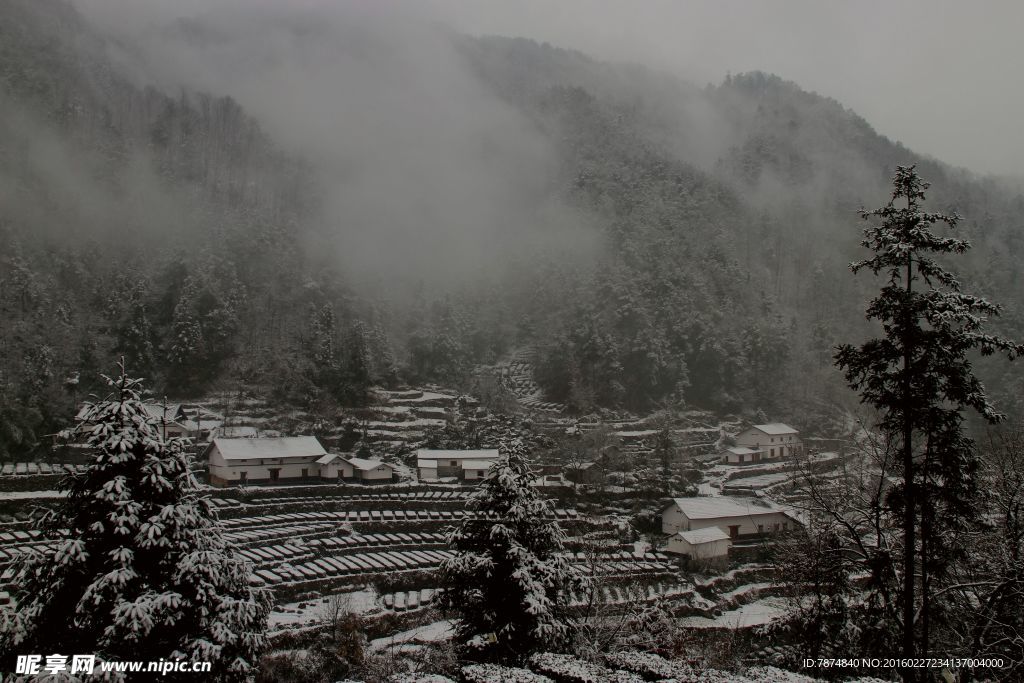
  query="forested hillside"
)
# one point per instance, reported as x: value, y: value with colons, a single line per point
x: 170, y: 227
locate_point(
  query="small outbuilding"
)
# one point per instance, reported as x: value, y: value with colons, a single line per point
x: 741, y: 455
x: 702, y: 544
x: 469, y: 465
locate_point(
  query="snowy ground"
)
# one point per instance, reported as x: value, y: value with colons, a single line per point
x: 21, y: 495
x: 307, y: 612
x: 755, y: 613
x: 428, y: 633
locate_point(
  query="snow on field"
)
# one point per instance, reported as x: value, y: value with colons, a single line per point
x: 755, y: 613
x: 21, y: 495
x: 307, y: 612
x: 428, y: 633
x: 760, y: 481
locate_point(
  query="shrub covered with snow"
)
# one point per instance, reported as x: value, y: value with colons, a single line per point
x: 496, y: 673
x: 138, y: 568
x: 569, y: 669
x: 420, y: 678
x: 650, y: 666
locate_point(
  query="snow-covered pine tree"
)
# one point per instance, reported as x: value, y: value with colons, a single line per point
x: 509, y: 579
x: 139, y: 568
x: 920, y: 378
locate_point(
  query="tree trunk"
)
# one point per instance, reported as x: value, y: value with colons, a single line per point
x: 909, y: 509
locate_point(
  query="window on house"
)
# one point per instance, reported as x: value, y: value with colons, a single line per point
x: 243, y: 477
x: 453, y: 463
x: 305, y: 471
x: 275, y: 474
x: 760, y: 528
x: 734, y: 531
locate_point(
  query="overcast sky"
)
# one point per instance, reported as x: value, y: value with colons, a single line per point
x: 941, y: 76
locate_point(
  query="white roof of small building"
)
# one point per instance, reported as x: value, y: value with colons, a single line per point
x: 266, y: 448
x: 365, y: 463
x: 477, y: 464
x: 580, y: 465
x: 713, y: 507
x: 743, y: 450
x: 161, y: 412
x: 708, y: 535
x: 477, y: 454
x: 775, y: 428
x: 327, y: 459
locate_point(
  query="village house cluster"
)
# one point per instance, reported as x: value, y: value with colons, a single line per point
x: 701, y: 528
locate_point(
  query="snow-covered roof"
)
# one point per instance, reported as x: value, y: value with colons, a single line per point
x: 161, y: 412
x: 478, y: 454
x: 775, y: 428
x: 709, y: 535
x: 743, y: 450
x: 264, y: 448
x: 327, y: 459
x: 580, y: 465
x: 365, y: 463
x: 713, y: 507
x: 477, y: 464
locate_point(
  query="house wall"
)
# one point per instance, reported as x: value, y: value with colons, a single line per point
x: 748, y: 524
x: 332, y: 471
x: 474, y: 475
x: 378, y: 474
x: 701, y: 551
x: 743, y: 458
x: 428, y: 473
x: 673, y: 520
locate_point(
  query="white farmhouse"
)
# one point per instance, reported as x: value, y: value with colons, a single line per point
x: 701, y: 544
x: 471, y: 465
x: 735, y: 516
x: 772, y: 441
x: 238, y: 462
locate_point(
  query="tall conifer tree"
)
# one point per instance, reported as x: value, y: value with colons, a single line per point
x: 139, y: 568
x: 920, y: 378
x: 510, y: 580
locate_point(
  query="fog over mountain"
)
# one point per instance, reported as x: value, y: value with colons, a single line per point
x: 923, y: 86
x: 447, y: 198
